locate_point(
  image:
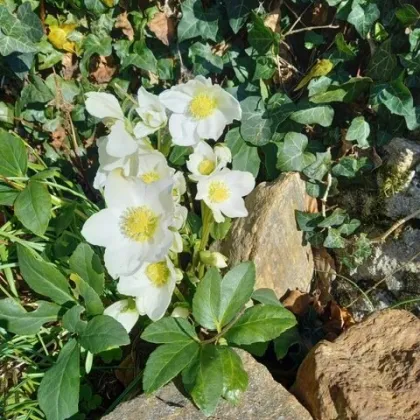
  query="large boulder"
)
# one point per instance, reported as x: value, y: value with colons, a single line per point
x: 264, y: 399
x: 371, y: 372
x: 269, y: 236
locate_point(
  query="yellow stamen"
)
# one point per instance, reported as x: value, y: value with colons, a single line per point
x: 139, y: 223
x: 158, y: 273
x: 202, y: 106
x: 218, y: 192
x: 150, y: 177
x: 206, y: 167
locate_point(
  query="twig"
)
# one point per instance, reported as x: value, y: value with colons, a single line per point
x: 298, y: 19
x: 325, y: 196
x: 311, y: 28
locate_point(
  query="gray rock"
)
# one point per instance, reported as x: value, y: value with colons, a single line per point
x: 269, y: 236
x: 264, y: 399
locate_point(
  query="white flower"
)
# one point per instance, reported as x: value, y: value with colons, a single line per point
x: 152, y: 113
x: 152, y: 285
x: 106, y: 107
x: 134, y: 227
x: 223, y: 192
x: 214, y: 259
x: 180, y: 217
x: 200, y: 110
x: 205, y: 161
x: 153, y: 167
x: 180, y: 186
x: 125, y: 312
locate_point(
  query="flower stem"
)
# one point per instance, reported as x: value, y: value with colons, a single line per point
x: 207, y: 218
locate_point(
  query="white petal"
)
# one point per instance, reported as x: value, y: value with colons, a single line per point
x: 101, y: 228
x: 103, y: 105
x: 100, y: 179
x: 147, y: 99
x: 203, y: 80
x: 123, y: 258
x: 202, y: 188
x: 120, y: 142
x: 175, y: 101
x: 217, y: 214
x: 212, y: 127
x: 183, y: 130
x: 121, y: 312
x: 234, y: 207
x: 143, y: 130
x: 241, y: 182
x: 135, y: 284
x: 157, y: 301
x: 230, y: 107
x: 121, y: 192
x: 177, y: 245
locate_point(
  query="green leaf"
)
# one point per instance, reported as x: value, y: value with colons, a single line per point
x: 13, y: 157
x: 256, y: 349
x: 336, y: 218
x: 255, y: 129
x: 43, y: 277
x: 244, y: 157
x: 32, y: 22
x: 143, y: 58
x: 279, y: 108
x: 313, y: 40
x: 205, y: 61
x: 7, y: 195
x: 322, y: 115
x: 219, y: 231
x: 285, y: 341
x: 238, y: 12
x: 407, y: 15
x: 92, y: 300
x: 206, y: 301
x: 350, y: 227
x: 235, y: 379
x: 343, y: 47
x: 291, y: 154
x: 359, y: 130
x: 33, y: 207
x: 166, y: 362
x: 318, y: 169
x: 363, y: 18
x: 397, y: 98
x: 95, y: 6
x: 208, y: 387
x: 334, y: 239
x: 266, y: 296
x: 88, y: 266
x: 198, y: 21
x: 72, y: 321
x: 382, y: 63
x: 260, y: 323
x: 58, y: 394
x: 169, y: 331
x: 236, y: 290
x: 259, y: 36
x: 21, y: 322
x: 36, y: 92
x: 308, y: 222
x: 103, y: 333
x: 349, y: 166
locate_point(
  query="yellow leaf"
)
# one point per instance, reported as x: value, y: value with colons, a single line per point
x: 320, y: 68
x: 109, y: 3
x: 58, y: 36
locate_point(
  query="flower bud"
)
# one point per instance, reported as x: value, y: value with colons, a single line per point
x: 180, y: 312
x: 214, y: 259
x: 223, y: 154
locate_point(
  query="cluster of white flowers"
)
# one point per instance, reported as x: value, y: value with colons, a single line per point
x: 140, y: 226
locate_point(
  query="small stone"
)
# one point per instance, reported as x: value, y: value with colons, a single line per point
x: 264, y: 399
x: 372, y: 371
x: 269, y: 236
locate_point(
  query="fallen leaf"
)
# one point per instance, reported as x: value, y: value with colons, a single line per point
x: 296, y: 301
x: 325, y: 271
x: 57, y: 35
x: 340, y: 319
x: 311, y: 204
x: 124, y: 24
x: 102, y: 69
x: 273, y: 18
x: 220, y: 48
x: 70, y: 65
x: 320, y: 68
x: 163, y: 27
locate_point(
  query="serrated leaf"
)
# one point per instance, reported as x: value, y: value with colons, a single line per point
x: 291, y: 154
x: 266, y: 296
x: 72, y: 321
x: 103, y: 333
x: 17, y: 320
x: 260, y: 323
x: 318, y: 169
x: 42, y: 277
x: 58, y: 393
x: 13, y: 156
x: 363, y: 18
x: 236, y: 290
x: 88, y: 266
x: 322, y: 115
x: 238, y: 12
x: 336, y: 218
x: 308, y: 222
x: 197, y: 21
x: 359, y: 130
x: 334, y: 239
x: 206, y: 301
x: 169, y: 331
x: 33, y: 207
x: 382, y: 63
x: 166, y: 362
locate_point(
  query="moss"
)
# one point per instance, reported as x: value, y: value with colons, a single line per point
x: 394, y: 180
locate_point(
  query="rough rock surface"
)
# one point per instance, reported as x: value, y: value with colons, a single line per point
x: 264, y: 399
x: 371, y: 372
x: 269, y: 236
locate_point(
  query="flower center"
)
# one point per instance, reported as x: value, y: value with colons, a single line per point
x: 218, y: 192
x: 150, y: 177
x: 139, y: 223
x: 206, y: 167
x: 202, y: 106
x: 158, y: 273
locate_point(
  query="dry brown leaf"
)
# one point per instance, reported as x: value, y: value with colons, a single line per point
x: 221, y: 48
x: 124, y: 24
x: 58, y: 137
x: 163, y: 27
x: 296, y: 301
x: 311, y: 204
x: 103, y: 69
x: 340, y: 319
x: 325, y: 273
x: 70, y: 66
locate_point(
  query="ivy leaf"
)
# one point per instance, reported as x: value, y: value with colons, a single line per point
x: 322, y: 115
x: 266, y: 296
x: 169, y: 331
x: 205, y: 61
x: 363, y: 18
x: 349, y: 166
x: 397, y: 97
x: 382, y: 63
x: 166, y: 362
x: 238, y: 12
x: 58, y: 393
x: 359, y: 130
x: 21, y: 322
x: 206, y: 301
x: 318, y: 169
x: 197, y: 21
x: 279, y: 108
x: 43, y: 277
x: 343, y: 47
x: 13, y: 157
x: 142, y: 58
x: 236, y: 290
x: 334, y: 239
x: 260, y: 323
x: 32, y: 22
x: 291, y: 154
x: 336, y: 218
x: 407, y: 15
x: 33, y: 207
x: 88, y: 266
x: 103, y: 333
x: 350, y: 227
x: 320, y: 68
x: 36, y: 92
x: 95, y: 6
x: 259, y: 36
x: 255, y: 129
x: 308, y: 222
x: 208, y: 387
x: 244, y: 157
